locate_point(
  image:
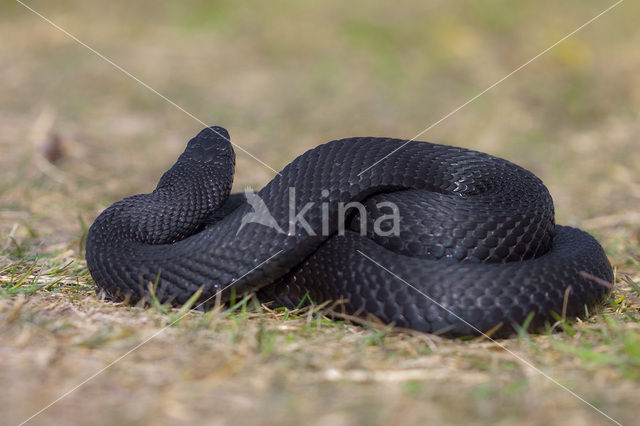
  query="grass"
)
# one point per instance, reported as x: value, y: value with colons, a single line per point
x: 284, y: 77
x: 64, y: 333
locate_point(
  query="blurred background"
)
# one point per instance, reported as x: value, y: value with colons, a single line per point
x: 77, y: 134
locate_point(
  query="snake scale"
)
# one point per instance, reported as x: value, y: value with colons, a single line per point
x: 476, y: 245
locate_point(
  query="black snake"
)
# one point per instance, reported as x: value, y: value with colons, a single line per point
x: 476, y: 244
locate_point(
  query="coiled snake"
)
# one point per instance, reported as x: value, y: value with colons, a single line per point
x: 475, y: 243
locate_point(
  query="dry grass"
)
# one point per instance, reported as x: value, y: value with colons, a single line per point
x: 77, y: 135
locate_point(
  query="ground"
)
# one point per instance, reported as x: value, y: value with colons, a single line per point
x: 77, y: 134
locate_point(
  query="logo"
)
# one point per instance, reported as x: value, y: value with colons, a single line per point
x: 261, y: 215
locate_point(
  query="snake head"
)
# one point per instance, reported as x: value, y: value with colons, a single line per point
x: 211, y: 145
x: 207, y: 164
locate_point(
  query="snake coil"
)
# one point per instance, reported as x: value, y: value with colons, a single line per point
x: 476, y: 244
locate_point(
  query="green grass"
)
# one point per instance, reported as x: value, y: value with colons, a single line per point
x: 284, y: 77
x: 303, y: 344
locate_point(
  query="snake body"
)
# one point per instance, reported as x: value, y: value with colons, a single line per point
x: 477, y: 245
